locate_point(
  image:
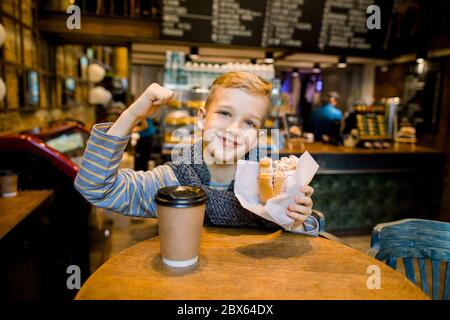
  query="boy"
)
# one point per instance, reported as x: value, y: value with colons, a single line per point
x: 234, y: 112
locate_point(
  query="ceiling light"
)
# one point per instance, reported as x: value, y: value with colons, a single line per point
x: 269, y: 57
x: 316, y: 68
x: 193, y: 54
x: 421, y: 56
x: 342, y: 63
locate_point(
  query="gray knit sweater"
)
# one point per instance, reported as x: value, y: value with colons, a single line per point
x: 222, y: 207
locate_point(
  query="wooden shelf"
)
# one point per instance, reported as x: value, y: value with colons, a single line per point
x: 17, y: 20
x: 112, y: 30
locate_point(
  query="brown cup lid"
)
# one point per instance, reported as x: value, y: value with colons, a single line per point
x: 181, y: 196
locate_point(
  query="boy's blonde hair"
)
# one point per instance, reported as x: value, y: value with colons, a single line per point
x: 247, y: 81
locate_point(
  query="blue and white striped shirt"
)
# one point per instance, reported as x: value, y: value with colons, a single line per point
x: 124, y: 191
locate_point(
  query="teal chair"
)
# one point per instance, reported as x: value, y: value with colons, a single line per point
x: 412, y: 239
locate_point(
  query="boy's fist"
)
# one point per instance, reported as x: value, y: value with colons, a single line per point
x: 158, y: 94
x: 154, y: 96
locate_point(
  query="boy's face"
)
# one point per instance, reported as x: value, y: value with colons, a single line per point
x: 231, y: 123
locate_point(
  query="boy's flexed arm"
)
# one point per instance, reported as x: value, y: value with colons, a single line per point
x: 147, y: 104
x: 99, y: 179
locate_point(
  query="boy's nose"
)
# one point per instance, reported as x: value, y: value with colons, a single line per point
x: 234, y: 128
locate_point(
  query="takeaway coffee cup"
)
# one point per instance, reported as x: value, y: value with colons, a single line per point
x: 181, y: 210
x: 8, y: 183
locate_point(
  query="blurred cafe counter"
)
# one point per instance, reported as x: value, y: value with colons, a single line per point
x: 358, y: 187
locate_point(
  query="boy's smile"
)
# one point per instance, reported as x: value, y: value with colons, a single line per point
x: 229, y: 143
x: 231, y: 123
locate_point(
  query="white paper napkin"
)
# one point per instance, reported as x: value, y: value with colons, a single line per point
x: 246, y: 189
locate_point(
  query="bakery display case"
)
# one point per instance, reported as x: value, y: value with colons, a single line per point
x: 179, y: 118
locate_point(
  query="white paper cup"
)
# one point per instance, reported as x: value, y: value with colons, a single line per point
x: 8, y: 184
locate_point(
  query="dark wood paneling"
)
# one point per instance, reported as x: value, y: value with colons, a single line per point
x: 391, y: 82
x: 102, y: 29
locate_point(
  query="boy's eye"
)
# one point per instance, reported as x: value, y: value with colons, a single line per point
x: 224, y: 113
x: 250, y: 123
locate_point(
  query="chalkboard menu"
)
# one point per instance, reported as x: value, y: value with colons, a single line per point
x: 219, y: 21
x: 294, y: 23
x: 344, y: 28
x: 329, y: 26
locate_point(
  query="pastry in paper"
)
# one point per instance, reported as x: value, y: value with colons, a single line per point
x: 272, y: 176
x: 277, y: 182
x: 265, y: 180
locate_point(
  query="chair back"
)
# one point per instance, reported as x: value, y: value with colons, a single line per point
x: 416, y: 241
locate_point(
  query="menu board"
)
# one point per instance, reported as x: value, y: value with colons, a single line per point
x: 220, y: 21
x: 187, y: 20
x: 344, y: 27
x: 329, y: 26
x: 292, y: 23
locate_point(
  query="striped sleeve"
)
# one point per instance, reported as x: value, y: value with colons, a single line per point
x: 125, y: 191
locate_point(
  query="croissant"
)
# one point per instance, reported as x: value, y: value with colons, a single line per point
x: 272, y: 176
x: 265, y: 180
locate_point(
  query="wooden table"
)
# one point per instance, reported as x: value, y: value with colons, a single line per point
x: 13, y: 210
x: 248, y: 264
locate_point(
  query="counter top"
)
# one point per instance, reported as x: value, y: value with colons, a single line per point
x: 13, y: 210
x: 400, y: 158
x: 342, y: 160
x: 322, y: 148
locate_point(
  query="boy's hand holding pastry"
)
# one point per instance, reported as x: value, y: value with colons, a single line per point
x: 272, y: 180
x: 301, y: 207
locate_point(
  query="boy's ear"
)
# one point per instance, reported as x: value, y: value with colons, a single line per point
x: 201, y: 117
x: 201, y: 112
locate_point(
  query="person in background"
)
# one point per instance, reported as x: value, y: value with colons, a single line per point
x: 146, y: 130
x: 326, y: 120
